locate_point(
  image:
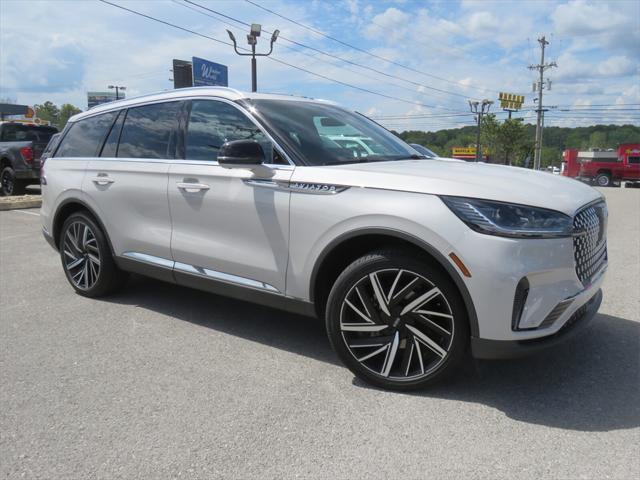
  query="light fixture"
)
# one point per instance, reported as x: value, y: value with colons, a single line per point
x: 256, y: 28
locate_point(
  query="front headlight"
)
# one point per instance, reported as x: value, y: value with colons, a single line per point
x: 508, y: 219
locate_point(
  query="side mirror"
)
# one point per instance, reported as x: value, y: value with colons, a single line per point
x: 241, y: 154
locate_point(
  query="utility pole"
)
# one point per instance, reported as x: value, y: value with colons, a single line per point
x: 541, y: 67
x: 252, y: 39
x: 478, y: 107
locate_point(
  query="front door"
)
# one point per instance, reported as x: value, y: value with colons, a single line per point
x: 228, y: 224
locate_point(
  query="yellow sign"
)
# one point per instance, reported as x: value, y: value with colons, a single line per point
x: 463, y: 150
x: 510, y: 101
x: 466, y: 151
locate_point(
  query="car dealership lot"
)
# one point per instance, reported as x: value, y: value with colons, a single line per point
x: 161, y: 382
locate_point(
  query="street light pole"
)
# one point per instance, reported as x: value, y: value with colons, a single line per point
x: 252, y: 39
x: 118, y: 88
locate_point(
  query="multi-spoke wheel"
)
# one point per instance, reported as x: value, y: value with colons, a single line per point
x: 81, y: 255
x: 86, y: 257
x: 395, y: 321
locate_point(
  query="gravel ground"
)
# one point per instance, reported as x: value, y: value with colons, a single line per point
x: 164, y: 382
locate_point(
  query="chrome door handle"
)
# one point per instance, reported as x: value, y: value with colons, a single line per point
x: 192, y: 187
x: 102, y: 180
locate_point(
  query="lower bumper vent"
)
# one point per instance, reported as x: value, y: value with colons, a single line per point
x: 556, y: 313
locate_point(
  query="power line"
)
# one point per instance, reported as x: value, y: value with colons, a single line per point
x: 322, y: 52
x: 319, y: 32
x: 355, y: 87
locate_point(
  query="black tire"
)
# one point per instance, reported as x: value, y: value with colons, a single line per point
x: 408, y: 372
x: 603, y: 180
x: 103, y: 280
x: 9, y: 185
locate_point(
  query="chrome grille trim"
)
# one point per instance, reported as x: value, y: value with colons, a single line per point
x: 590, y: 241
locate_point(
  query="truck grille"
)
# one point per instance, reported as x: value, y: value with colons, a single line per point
x: 590, y: 241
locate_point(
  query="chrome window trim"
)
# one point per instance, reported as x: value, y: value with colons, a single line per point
x: 237, y: 106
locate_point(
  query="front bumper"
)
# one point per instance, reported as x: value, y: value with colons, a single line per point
x: 496, y: 349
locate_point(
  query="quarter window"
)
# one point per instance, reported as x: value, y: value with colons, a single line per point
x: 150, y: 131
x: 85, y: 136
x: 213, y: 123
x: 634, y: 159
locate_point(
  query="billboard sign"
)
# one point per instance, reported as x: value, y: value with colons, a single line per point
x: 98, y: 98
x: 206, y: 73
x: 510, y: 101
x: 182, y: 76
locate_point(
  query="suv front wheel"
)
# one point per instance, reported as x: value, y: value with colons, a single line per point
x: 86, y: 257
x: 396, y: 321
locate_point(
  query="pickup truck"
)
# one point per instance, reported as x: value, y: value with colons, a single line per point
x: 612, y: 167
x: 21, y: 145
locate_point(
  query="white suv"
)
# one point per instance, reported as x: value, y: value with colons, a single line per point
x: 410, y: 261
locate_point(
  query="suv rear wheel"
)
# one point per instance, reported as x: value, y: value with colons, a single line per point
x: 86, y: 257
x: 397, y: 322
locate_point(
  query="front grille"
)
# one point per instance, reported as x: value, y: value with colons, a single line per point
x: 590, y: 241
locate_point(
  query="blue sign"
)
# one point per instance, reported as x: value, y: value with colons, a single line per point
x: 206, y: 73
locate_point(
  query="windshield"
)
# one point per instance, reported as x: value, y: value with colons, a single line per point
x: 16, y: 132
x: 323, y: 134
x: 423, y: 150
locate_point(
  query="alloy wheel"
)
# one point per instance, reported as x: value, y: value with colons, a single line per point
x: 81, y: 255
x: 7, y: 182
x: 397, y: 324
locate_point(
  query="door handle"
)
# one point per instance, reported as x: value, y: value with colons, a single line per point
x: 192, y: 187
x: 102, y: 180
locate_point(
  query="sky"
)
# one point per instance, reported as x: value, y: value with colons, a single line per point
x: 418, y: 61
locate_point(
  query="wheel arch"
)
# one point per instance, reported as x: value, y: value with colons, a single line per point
x: 351, y: 245
x: 68, y: 207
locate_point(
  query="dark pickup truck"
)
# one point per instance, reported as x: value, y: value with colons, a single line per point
x: 21, y: 146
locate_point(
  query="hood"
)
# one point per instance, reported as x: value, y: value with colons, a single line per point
x: 463, y: 179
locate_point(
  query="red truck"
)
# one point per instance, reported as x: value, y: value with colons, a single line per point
x: 605, y: 168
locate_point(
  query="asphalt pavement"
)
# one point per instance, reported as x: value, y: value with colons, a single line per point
x: 164, y: 382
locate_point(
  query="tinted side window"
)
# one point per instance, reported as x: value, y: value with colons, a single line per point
x: 85, y: 137
x: 149, y: 131
x: 634, y: 159
x: 111, y: 143
x: 213, y: 123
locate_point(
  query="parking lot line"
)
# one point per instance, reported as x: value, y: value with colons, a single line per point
x: 27, y: 212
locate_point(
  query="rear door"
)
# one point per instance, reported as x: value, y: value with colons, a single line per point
x: 128, y: 182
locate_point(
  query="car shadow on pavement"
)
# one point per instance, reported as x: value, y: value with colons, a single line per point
x: 276, y: 328
x: 590, y: 383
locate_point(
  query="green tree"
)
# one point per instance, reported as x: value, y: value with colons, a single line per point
x: 48, y: 111
x: 66, y: 111
x: 506, y: 141
x: 598, y: 139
